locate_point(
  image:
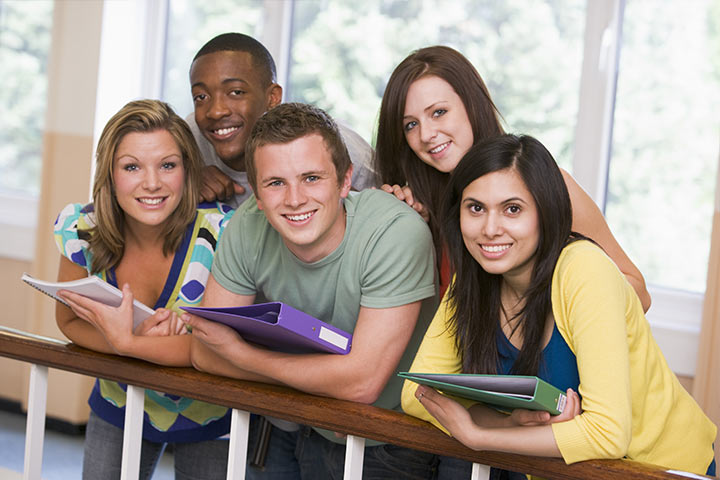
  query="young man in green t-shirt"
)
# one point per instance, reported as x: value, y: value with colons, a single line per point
x: 362, y: 261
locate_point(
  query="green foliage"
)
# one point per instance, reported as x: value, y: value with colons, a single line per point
x: 343, y: 53
x: 24, y: 48
x: 665, y: 147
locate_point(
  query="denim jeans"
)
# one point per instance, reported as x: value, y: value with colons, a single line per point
x: 193, y: 461
x: 307, y: 455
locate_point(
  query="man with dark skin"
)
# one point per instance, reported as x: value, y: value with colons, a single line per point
x: 233, y: 82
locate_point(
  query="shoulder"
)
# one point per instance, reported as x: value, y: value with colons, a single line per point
x: 215, y: 215
x: 361, y: 156
x: 376, y: 209
x: 583, y: 256
x: 74, y: 217
x: 585, y: 275
x: 71, y: 232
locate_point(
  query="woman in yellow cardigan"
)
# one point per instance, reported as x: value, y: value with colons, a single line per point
x: 532, y: 298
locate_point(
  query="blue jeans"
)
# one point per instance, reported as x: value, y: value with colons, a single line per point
x: 193, y: 461
x: 305, y: 454
x: 450, y: 468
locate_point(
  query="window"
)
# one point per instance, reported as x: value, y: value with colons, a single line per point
x: 24, y: 48
x: 190, y: 25
x: 343, y: 52
x: 665, y: 139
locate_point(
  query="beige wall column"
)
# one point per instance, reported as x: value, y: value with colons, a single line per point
x: 706, y: 386
x: 67, y: 160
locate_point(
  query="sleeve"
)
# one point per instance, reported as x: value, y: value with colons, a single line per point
x: 437, y: 354
x: 589, y: 302
x: 396, y: 271
x: 70, y: 240
x: 361, y: 155
x: 230, y: 268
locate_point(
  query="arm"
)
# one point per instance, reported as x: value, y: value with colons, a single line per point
x: 480, y: 428
x: 107, y: 329
x: 589, y: 220
x: 216, y: 185
x: 358, y: 376
x: 590, y: 301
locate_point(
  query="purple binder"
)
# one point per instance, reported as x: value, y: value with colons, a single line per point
x: 279, y: 327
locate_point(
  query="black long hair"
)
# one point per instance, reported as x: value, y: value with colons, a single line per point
x: 475, y: 294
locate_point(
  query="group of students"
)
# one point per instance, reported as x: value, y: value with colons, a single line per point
x: 531, y: 279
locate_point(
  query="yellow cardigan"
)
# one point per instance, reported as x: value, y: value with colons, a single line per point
x: 633, y: 405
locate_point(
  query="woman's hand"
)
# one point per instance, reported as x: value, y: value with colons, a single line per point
x: 114, y: 323
x: 405, y: 194
x: 453, y: 416
x: 162, y: 323
x: 524, y: 418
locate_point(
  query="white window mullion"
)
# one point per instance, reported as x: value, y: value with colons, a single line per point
x: 593, y: 132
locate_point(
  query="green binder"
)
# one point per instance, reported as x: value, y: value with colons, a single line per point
x: 506, y: 392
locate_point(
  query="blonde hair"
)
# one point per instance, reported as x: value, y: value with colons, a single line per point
x: 107, y: 242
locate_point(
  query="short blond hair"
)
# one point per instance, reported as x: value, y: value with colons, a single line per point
x: 107, y: 242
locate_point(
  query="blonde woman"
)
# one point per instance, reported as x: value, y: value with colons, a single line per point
x: 145, y: 234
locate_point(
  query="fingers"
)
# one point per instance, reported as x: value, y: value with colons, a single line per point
x: 216, y: 185
x: 239, y: 189
x: 572, y: 408
x: 147, y: 327
x: 178, y: 326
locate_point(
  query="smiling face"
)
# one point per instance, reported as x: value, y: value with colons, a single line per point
x: 148, y: 177
x: 500, y: 227
x: 297, y: 189
x: 230, y: 94
x: 436, y: 124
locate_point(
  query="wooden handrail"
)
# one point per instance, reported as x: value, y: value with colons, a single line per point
x: 338, y: 415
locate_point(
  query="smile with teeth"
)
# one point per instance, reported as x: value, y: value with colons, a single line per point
x: 300, y: 217
x: 151, y: 201
x: 224, y: 131
x: 440, y: 148
x: 495, y: 248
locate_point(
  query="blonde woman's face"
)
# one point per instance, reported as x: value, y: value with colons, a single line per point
x: 149, y: 177
x: 436, y: 125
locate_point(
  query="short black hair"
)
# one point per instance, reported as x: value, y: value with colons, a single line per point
x: 239, y: 42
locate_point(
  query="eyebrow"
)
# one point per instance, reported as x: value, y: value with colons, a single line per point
x: 504, y: 202
x: 223, y: 82
x: 429, y: 107
x: 301, y: 175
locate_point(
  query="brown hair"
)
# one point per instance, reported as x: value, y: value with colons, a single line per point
x: 395, y: 162
x: 107, y: 242
x: 288, y: 122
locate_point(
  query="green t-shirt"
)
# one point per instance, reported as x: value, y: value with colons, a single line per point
x: 386, y: 259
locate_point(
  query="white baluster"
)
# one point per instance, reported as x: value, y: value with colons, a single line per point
x: 237, y: 451
x: 35, y: 426
x: 132, y: 436
x: 480, y: 472
x: 354, y: 454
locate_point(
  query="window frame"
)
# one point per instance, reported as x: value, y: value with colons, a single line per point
x: 593, y: 132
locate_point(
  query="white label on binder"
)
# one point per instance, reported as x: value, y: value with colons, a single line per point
x: 561, y: 403
x: 333, y: 338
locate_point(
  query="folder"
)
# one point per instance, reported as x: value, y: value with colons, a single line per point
x: 279, y: 327
x: 505, y: 392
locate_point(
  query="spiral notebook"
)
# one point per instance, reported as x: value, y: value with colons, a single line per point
x: 91, y: 287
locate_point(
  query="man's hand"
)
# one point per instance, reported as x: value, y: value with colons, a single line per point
x: 217, y: 186
x: 216, y: 336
